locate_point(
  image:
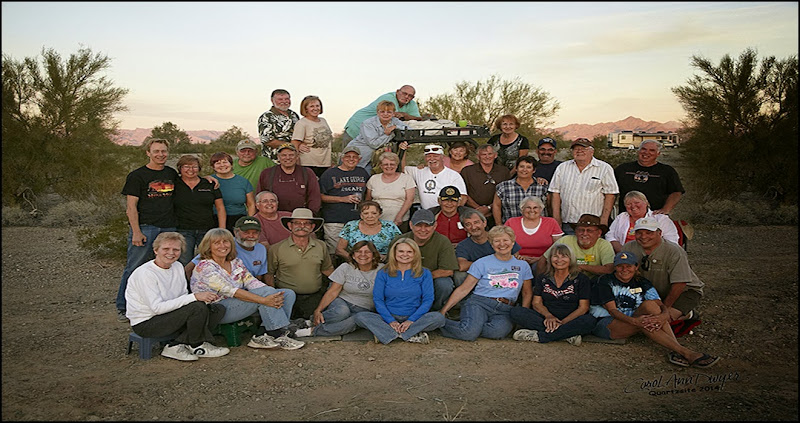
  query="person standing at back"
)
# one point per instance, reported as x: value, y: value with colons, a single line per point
x: 276, y: 125
x: 659, y: 182
x: 312, y: 136
x: 295, y: 185
x: 249, y: 164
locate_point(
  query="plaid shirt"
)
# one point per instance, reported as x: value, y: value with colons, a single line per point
x: 273, y: 125
x: 511, y: 195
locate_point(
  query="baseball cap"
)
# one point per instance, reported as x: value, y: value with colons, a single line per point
x: 581, y: 141
x: 624, y: 257
x: 647, y: 223
x: 548, y: 140
x: 246, y: 144
x: 433, y: 148
x: 350, y: 148
x: 422, y: 216
x: 246, y: 223
x: 288, y: 145
x: 450, y: 193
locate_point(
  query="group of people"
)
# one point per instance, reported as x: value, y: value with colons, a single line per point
x: 321, y: 248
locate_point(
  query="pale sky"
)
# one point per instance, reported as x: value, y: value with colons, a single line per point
x: 213, y: 65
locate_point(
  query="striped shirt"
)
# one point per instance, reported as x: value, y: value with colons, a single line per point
x: 583, y: 192
x: 511, y: 195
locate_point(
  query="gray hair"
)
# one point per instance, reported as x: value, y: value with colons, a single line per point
x: 531, y: 198
x: 169, y: 236
x: 486, y: 147
x: 389, y: 155
x: 260, y: 194
x: 658, y: 144
x: 469, y: 212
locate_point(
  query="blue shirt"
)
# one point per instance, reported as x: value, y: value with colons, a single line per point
x: 371, y: 137
x: 353, y: 125
x: 500, y: 279
x: 234, y: 194
x: 403, y: 295
x: 255, y: 261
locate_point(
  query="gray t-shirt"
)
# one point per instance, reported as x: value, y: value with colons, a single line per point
x: 356, y: 285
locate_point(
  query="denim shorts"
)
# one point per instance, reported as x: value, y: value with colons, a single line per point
x: 601, y: 328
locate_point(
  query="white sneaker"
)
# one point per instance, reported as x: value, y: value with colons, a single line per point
x: 420, y: 338
x: 574, y: 340
x: 300, y: 333
x: 180, y: 352
x: 262, y: 341
x: 526, y: 335
x: 209, y: 350
x: 287, y: 343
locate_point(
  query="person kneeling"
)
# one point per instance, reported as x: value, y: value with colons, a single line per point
x: 159, y: 304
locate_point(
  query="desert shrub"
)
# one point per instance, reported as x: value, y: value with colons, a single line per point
x: 107, y: 240
x: 73, y: 213
x: 741, y: 212
x: 17, y: 216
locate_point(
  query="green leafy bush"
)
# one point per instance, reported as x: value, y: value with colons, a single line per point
x: 108, y: 240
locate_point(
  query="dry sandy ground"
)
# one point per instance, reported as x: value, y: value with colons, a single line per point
x: 63, y: 355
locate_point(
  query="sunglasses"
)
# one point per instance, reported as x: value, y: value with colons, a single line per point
x: 489, y: 180
x: 434, y: 150
x: 646, y: 262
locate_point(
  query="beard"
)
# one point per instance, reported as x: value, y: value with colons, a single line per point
x: 246, y: 243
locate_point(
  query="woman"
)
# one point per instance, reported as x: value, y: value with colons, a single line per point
x: 237, y: 192
x: 535, y: 233
x: 458, y: 156
x: 560, y: 303
x: 376, y: 132
x: 194, y: 201
x: 393, y: 190
x: 497, y: 280
x: 626, y: 303
x: 508, y: 143
x: 224, y: 274
x: 349, y: 293
x: 370, y: 227
x: 506, y: 203
x: 403, y: 295
x: 637, y: 207
x: 312, y: 136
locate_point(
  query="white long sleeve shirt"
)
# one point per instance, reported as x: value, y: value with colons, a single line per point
x: 153, y: 291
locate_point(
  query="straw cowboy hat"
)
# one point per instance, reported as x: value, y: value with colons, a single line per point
x: 302, y: 213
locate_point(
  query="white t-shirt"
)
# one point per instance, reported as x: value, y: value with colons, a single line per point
x: 391, y: 196
x: 429, y: 184
x: 316, y: 135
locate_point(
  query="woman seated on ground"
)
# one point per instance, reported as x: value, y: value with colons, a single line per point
x: 458, y: 156
x: 560, y: 303
x: 370, y: 227
x: 159, y: 304
x: 637, y: 207
x: 376, y: 132
x: 626, y: 303
x: 393, y: 190
x: 497, y: 280
x: 506, y: 203
x: 221, y: 272
x: 350, y: 292
x: 535, y: 233
x: 403, y: 295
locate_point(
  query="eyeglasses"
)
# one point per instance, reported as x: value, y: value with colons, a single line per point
x: 190, y: 167
x: 646, y: 262
x: 267, y: 201
x: 407, y: 94
x: 489, y: 180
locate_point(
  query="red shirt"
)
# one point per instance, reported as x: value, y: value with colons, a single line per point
x: 450, y: 227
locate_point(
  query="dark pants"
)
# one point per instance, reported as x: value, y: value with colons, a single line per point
x: 531, y: 319
x: 305, y: 304
x: 230, y: 220
x: 195, y: 319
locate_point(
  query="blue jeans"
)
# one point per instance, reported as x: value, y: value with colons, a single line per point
x: 480, y: 316
x: 339, y: 318
x: 193, y: 238
x: 531, y: 319
x: 374, y: 323
x: 137, y: 256
x: 442, y: 288
x: 271, y: 317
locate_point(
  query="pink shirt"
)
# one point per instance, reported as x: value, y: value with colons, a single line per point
x: 535, y: 245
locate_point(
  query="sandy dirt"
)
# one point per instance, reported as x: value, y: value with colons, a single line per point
x: 63, y: 355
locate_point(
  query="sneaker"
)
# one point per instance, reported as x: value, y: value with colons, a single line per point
x: 420, y: 338
x: 209, y: 350
x: 526, y: 335
x: 262, y: 341
x: 121, y: 316
x: 300, y: 333
x: 180, y: 352
x: 287, y: 343
x: 574, y: 340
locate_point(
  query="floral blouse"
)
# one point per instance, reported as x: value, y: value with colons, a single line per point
x: 209, y: 276
x: 382, y: 239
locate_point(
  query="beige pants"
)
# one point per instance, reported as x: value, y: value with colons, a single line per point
x: 332, y: 235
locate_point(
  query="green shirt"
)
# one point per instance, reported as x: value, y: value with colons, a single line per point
x: 298, y: 270
x: 252, y: 171
x: 600, y: 254
x: 437, y: 254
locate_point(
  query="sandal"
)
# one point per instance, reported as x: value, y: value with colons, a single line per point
x: 678, y: 359
x: 705, y: 361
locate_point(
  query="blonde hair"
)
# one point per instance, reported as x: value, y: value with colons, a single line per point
x: 150, y: 141
x: 169, y: 236
x: 501, y: 230
x: 563, y: 250
x: 212, y: 236
x: 416, y: 264
x: 385, y: 105
x: 308, y: 99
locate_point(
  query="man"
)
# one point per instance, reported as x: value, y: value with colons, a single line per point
x: 659, y: 182
x: 477, y: 245
x: 583, y: 185
x: 276, y: 125
x: 342, y: 188
x: 299, y: 262
x: 433, y: 177
x: 272, y: 231
x: 297, y: 186
x: 446, y: 215
x: 594, y: 254
x: 547, y: 160
x: 246, y: 231
x: 405, y: 109
x: 437, y: 252
x: 159, y: 304
x: 249, y: 164
x: 481, y: 180
x: 666, y: 265
x: 148, y: 192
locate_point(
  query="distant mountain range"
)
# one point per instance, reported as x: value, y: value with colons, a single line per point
x: 570, y: 132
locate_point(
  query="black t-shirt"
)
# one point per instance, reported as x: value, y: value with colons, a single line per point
x: 656, y: 182
x: 194, y: 208
x: 546, y: 171
x: 561, y: 302
x: 508, y: 154
x: 340, y: 183
x: 154, y: 189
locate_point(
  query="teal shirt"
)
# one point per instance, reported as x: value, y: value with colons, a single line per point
x: 353, y: 125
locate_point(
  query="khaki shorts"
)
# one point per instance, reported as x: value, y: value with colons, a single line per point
x: 332, y: 235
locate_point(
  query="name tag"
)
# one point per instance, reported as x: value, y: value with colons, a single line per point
x: 635, y: 290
